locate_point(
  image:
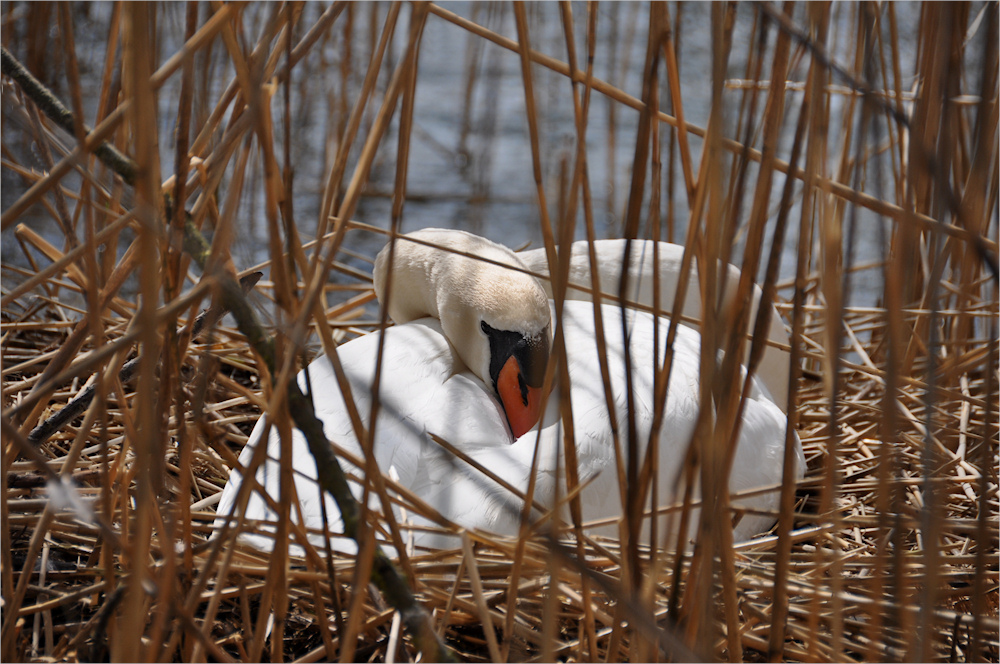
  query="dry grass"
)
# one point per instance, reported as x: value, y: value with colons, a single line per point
x: 881, y: 193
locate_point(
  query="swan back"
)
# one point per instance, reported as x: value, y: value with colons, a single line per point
x: 775, y: 365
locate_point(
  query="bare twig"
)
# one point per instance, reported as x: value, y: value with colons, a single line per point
x: 331, y: 475
x: 62, y: 116
x: 78, y: 404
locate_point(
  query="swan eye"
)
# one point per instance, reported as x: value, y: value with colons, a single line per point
x: 531, y: 353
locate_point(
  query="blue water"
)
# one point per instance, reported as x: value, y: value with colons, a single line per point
x: 483, y: 182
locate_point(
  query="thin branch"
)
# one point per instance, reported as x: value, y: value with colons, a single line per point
x: 328, y: 470
x: 62, y: 116
x: 386, y: 577
x: 78, y: 404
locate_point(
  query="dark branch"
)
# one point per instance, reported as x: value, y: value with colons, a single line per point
x: 331, y: 476
x: 62, y: 116
x: 390, y: 582
x: 78, y: 404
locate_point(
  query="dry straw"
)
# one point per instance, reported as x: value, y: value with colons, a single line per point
x: 887, y: 550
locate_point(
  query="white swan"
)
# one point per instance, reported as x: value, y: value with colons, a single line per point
x: 464, y: 392
x: 609, y: 254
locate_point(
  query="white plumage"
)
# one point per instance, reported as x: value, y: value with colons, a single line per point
x: 427, y: 389
x: 774, y: 366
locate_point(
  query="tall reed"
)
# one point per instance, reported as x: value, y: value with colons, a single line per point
x: 843, y: 155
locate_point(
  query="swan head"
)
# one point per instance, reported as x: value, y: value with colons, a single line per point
x: 496, y: 318
x: 517, y: 373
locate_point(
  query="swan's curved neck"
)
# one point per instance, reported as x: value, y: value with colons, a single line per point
x: 435, y: 272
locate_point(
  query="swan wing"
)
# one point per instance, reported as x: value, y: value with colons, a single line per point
x: 420, y: 392
x: 644, y: 267
x: 423, y: 393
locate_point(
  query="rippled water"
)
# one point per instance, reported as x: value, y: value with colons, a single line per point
x: 471, y: 161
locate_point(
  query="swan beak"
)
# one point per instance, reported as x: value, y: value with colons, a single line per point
x: 521, y: 401
x: 517, y: 369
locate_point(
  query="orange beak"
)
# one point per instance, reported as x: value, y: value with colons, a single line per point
x: 521, y: 402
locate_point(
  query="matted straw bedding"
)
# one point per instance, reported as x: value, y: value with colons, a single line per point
x: 891, y: 552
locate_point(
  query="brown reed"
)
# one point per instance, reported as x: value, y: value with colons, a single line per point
x: 886, y: 550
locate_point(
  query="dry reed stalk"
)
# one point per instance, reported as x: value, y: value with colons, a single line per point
x: 558, y: 355
x: 893, y: 531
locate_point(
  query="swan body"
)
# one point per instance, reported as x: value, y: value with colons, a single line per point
x: 643, y: 267
x: 429, y: 387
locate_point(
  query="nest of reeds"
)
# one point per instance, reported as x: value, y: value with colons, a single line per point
x: 876, y: 132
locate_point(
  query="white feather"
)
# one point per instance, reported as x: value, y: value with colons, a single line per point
x: 426, y: 389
